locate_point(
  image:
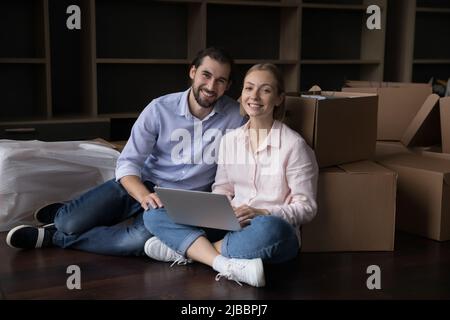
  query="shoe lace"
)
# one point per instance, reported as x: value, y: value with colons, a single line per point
x: 229, y: 273
x: 180, y: 261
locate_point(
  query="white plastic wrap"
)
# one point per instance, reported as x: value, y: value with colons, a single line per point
x: 33, y: 173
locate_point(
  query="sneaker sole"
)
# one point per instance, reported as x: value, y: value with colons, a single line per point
x: 11, y: 232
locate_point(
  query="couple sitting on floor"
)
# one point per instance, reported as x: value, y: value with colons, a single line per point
x: 272, y: 192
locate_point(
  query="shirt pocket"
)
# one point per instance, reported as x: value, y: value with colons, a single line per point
x: 272, y: 184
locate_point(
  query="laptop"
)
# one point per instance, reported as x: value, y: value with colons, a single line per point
x: 197, y: 208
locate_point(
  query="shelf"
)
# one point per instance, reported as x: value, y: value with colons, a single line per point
x: 251, y: 3
x: 340, y: 61
x: 324, y: 6
x: 433, y: 10
x: 256, y: 61
x: 431, y: 61
x: 56, y: 120
x: 23, y: 60
x: 56, y: 130
x: 142, y: 61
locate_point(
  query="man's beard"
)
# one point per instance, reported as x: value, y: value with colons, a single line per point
x: 202, y: 102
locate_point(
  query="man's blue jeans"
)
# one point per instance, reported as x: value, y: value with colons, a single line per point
x: 267, y: 237
x: 92, y: 222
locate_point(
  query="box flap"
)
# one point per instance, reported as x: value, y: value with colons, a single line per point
x: 431, y: 164
x: 445, y: 123
x: 364, y: 167
x: 424, y: 129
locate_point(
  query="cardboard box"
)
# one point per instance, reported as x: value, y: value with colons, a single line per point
x: 397, y: 105
x: 340, y: 127
x: 425, y: 128
x: 356, y: 210
x: 445, y: 124
x: 423, y: 198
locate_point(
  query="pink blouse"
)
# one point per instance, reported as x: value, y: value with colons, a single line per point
x: 281, y: 176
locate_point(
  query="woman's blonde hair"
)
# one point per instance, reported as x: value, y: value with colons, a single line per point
x: 278, y: 111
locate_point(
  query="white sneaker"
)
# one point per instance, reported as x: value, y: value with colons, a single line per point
x: 157, y: 250
x: 250, y: 271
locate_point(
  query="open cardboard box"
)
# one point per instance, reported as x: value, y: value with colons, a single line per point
x: 339, y: 126
x: 398, y: 104
x: 423, y: 198
x: 356, y: 210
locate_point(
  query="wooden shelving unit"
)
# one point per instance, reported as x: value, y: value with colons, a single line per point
x: 129, y: 52
x: 337, y: 46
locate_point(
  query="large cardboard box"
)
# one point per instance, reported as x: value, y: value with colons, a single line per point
x: 423, y: 198
x: 445, y: 124
x: 356, y: 210
x: 397, y: 105
x: 340, y: 127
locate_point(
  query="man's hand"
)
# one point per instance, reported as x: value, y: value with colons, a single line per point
x: 153, y: 200
x: 245, y: 213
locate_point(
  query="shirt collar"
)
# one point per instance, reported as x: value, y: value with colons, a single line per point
x: 273, y: 139
x: 183, y: 106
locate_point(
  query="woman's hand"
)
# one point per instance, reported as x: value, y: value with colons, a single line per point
x: 245, y: 213
x: 153, y: 200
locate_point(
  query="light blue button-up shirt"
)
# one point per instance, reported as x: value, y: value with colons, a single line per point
x: 171, y: 148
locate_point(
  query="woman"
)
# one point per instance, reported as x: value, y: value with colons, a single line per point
x: 270, y: 175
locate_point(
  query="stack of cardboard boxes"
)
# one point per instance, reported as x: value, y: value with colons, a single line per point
x: 423, y: 167
x: 382, y: 167
x: 356, y: 196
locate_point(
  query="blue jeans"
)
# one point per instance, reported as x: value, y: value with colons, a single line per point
x: 267, y: 237
x: 92, y: 222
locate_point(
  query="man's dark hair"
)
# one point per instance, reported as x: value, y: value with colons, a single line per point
x: 217, y: 54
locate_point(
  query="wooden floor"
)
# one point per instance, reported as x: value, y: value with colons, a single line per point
x: 418, y: 269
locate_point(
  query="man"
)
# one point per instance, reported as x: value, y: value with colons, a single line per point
x: 167, y: 148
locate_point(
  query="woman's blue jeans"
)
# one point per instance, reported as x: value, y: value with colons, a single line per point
x: 93, y: 222
x: 267, y: 237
